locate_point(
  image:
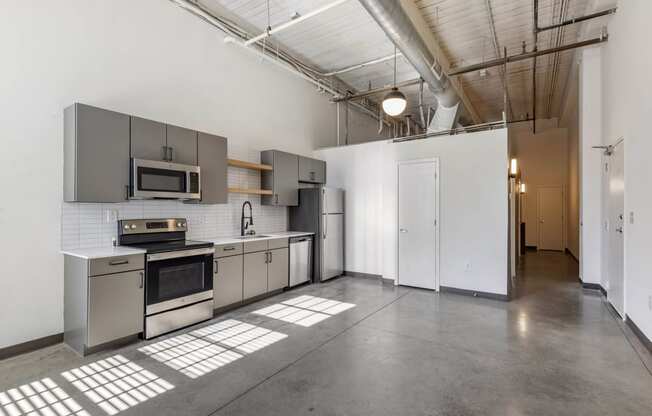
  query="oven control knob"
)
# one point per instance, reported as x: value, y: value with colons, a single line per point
x: 181, y: 224
x: 126, y: 226
x: 133, y: 226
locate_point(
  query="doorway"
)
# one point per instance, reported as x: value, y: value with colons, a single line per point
x: 550, y: 212
x: 418, y: 223
x: 615, y: 227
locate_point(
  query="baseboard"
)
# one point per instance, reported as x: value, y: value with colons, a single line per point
x: 594, y: 286
x: 474, y: 293
x: 647, y: 343
x: 369, y: 276
x: 30, y: 346
x: 570, y: 253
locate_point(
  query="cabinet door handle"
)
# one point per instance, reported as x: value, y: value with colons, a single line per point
x: 217, y: 267
x: 276, y: 197
x: 118, y: 262
x: 271, y: 258
x: 142, y: 280
x: 126, y: 192
x: 229, y: 248
x: 171, y: 152
x: 164, y: 152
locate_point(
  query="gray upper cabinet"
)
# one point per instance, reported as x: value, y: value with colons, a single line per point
x: 278, y: 269
x: 283, y: 180
x: 312, y: 170
x: 182, y: 145
x: 148, y: 139
x: 212, y: 160
x: 96, y: 154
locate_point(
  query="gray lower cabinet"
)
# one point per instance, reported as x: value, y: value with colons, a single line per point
x: 255, y: 274
x: 278, y: 269
x: 148, y: 139
x: 212, y: 160
x: 283, y: 180
x: 115, y: 307
x: 227, y: 282
x: 104, y: 300
x: 182, y: 145
x: 312, y: 170
x: 96, y: 154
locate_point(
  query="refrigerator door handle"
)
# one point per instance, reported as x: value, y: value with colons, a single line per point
x: 325, y: 208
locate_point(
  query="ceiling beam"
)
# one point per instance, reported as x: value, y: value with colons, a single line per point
x: 433, y: 45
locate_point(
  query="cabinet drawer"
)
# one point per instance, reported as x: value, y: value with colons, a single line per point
x: 117, y: 264
x: 228, y: 250
x: 278, y: 243
x: 253, y: 246
x: 115, y: 307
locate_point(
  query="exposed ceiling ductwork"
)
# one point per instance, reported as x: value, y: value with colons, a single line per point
x: 399, y: 28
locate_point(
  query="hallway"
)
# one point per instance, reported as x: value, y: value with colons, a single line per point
x: 554, y: 350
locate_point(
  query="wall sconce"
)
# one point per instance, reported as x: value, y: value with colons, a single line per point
x: 513, y: 168
x: 522, y: 188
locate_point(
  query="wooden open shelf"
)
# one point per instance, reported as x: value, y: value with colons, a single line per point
x: 248, y: 165
x: 250, y: 191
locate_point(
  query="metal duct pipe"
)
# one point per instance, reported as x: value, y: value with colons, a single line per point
x: 399, y: 28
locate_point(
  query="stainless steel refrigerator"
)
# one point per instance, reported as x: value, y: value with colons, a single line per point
x: 321, y: 211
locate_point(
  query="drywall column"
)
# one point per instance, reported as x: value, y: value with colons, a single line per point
x: 590, y: 115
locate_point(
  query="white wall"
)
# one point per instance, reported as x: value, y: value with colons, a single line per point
x: 590, y: 123
x: 145, y: 57
x: 542, y: 161
x: 473, y: 205
x: 626, y: 111
x: 570, y: 121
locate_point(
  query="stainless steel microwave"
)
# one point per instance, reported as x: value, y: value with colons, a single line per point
x: 150, y: 179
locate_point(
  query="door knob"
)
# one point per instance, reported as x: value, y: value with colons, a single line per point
x: 619, y: 229
x: 403, y: 230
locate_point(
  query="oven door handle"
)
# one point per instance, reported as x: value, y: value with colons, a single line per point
x: 142, y: 280
x: 178, y: 254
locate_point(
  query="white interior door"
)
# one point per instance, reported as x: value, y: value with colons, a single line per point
x: 615, y: 229
x: 417, y: 221
x: 551, y: 218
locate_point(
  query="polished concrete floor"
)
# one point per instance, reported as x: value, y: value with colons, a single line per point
x: 554, y: 350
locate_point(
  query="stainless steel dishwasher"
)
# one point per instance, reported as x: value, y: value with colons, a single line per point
x: 300, y: 260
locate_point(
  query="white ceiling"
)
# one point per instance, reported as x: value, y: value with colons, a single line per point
x: 346, y: 35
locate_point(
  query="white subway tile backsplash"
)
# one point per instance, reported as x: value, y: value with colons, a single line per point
x: 95, y: 225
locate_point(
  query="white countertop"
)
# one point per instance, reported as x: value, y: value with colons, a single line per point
x: 102, y: 252
x: 265, y: 236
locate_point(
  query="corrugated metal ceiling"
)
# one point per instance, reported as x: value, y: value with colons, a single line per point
x: 347, y: 35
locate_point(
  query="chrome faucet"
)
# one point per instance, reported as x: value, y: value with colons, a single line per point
x: 245, y: 225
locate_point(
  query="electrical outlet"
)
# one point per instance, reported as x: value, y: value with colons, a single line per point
x: 467, y: 266
x: 631, y: 217
x: 110, y: 215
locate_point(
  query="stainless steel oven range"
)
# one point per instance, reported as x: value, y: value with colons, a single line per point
x: 178, y: 273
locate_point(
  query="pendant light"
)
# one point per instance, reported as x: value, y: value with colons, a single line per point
x: 394, y: 102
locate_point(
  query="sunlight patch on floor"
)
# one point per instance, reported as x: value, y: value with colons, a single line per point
x: 43, y: 397
x: 116, y: 384
x: 305, y: 310
x: 209, y: 348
